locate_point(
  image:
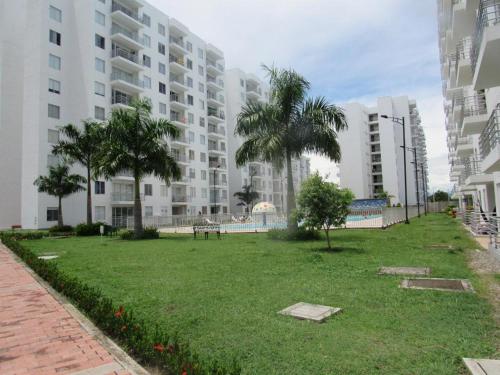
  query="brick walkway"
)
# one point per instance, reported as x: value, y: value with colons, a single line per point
x: 38, y: 335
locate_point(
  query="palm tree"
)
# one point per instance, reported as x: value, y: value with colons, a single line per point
x: 83, y: 146
x: 247, y: 196
x: 286, y: 127
x: 59, y: 183
x: 137, y: 142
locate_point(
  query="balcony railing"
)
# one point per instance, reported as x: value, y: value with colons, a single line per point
x: 219, y: 82
x: 120, y: 52
x: 488, y: 15
x: 185, y: 179
x: 180, y: 198
x: 181, y: 158
x: 181, y: 138
x: 215, y: 113
x: 474, y: 105
x: 116, y: 29
x: 118, y: 7
x: 174, y: 116
x: 490, y: 135
x: 125, y: 196
x: 178, y: 80
x: 472, y: 167
x: 216, y: 164
x: 177, y: 99
x: 218, y: 182
x: 464, y: 51
x: 176, y: 59
x: 177, y: 41
x: 118, y: 97
x: 217, y: 199
x: 216, y: 130
x: 122, y: 76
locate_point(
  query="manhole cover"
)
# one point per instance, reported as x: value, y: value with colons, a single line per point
x: 48, y: 257
x: 448, y: 285
x: 316, y: 313
x: 483, y: 366
x: 412, y: 271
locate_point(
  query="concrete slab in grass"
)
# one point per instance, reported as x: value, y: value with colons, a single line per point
x: 483, y: 366
x: 307, y: 311
x: 48, y: 257
x: 441, y: 246
x: 445, y: 285
x: 410, y: 271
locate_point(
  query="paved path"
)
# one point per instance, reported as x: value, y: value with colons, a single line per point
x: 38, y: 336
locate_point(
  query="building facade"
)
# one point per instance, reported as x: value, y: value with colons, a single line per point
x: 469, y: 43
x: 372, y: 153
x: 63, y: 61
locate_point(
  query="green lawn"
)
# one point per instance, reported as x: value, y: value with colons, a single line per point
x: 223, y: 296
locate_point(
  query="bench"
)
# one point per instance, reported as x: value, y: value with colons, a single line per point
x: 209, y: 228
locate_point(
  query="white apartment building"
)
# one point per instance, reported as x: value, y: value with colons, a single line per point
x: 469, y: 43
x: 63, y: 61
x: 268, y: 182
x: 372, y: 153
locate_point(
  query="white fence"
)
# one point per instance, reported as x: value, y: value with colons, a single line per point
x: 483, y: 224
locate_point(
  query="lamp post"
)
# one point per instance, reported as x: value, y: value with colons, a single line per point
x: 215, y: 191
x: 414, y: 149
x: 401, y: 121
x: 424, y: 186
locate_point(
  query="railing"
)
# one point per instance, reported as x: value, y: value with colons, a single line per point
x: 472, y: 167
x: 217, y: 182
x: 216, y: 164
x: 118, y: 97
x: 184, y: 179
x: 491, y: 133
x: 219, y: 82
x: 175, y: 59
x: 124, y: 197
x: 181, y: 198
x: 181, y: 158
x: 464, y: 51
x: 474, y: 105
x: 118, y: 7
x: 215, y: 113
x: 178, y: 80
x: 181, y: 138
x: 116, y: 29
x: 174, y: 116
x: 488, y: 15
x: 216, y: 130
x: 218, y: 200
x: 177, y: 41
x: 177, y: 99
x: 120, y: 52
x: 122, y: 76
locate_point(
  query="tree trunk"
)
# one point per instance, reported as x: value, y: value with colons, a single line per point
x: 60, y: 221
x: 327, y: 231
x: 290, y: 196
x: 89, y: 198
x: 138, y: 230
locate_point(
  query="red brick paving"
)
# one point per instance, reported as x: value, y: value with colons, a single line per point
x: 38, y: 336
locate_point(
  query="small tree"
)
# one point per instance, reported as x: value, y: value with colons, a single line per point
x: 385, y: 195
x: 439, y: 196
x: 247, y: 196
x: 59, y: 183
x: 323, y: 205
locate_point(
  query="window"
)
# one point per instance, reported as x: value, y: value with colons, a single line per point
x: 203, y: 157
x: 99, y: 113
x: 189, y: 82
x: 54, y: 86
x: 148, y: 211
x: 53, y: 136
x: 162, y: 68
x: 202, y: 122
x: 147, y: 82
x: 54, y: 37
x: 200, y: 70
x: 202, y: 104
x: 55, y: 62
x: 191, y: 157
x: 200, y: 53
x: 191, y: 137
x: 99, y: 88
x: 161, y: 48
x: 148, y: 189
x: 100, y: 18
x: 162, y: 88
x: 100, y: 213
x: 189, y: 46
x: 146, y: 40
x: 54, y: 111
x: 55, y: 14
x: 189, y: 64
x: 146, y: 20
x: 192, y: 193
x: 146, y: 61
x: 190, y: 99
x: 99, y: 187
x: 164, y: 210
x: 203, y: 176
x: 190, y: 118
x: 100, y: 41
x: 100, y: 65
x: 202, y: 139
x: 161, y: 29
x: 163, y: 191
x: 52, y: 214
x: 201, y: 87
x: 204, y: 190
x: 242, y: 83
x: 163, y: 108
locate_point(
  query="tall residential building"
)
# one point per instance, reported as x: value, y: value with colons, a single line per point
x: 268, y: 182
x: 469, y: 43
x: 63, y: 61
x: 372, y: 153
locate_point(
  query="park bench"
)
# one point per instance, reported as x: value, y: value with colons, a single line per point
x: 207, y: 228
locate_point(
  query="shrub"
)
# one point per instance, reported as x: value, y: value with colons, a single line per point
x: 149, y: 233
x: 301, y: 234
x: 147, y: 343
x: 34, y: 235
x: 127, y: 235
x: 63, y: 229
x: 93, y: 229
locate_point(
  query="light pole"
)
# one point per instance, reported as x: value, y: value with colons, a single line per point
x: 401, y: 121
x: 414, y: 149
x: 215, y: 191
x: 424, y: 186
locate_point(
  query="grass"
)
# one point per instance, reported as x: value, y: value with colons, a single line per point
x: 223, y: 297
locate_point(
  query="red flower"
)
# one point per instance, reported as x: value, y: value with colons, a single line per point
x: 158, y: 347
x: 120, y: 312
x: 170, y: 348
x: 184, y: 372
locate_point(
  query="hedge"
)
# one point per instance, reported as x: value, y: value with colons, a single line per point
x: 149, y: 345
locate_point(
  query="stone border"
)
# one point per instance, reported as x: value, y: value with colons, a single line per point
x: 320, y: 318
x: 482, y: 366
x: 466, y: 284
x: 119, y: 355
x: 408, y: 271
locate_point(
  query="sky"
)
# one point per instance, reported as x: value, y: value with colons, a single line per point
x: 350, y: 51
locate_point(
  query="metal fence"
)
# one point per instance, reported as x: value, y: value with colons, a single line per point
x: 483, y: 224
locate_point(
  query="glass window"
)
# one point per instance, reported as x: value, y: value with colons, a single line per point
x: 161, y: 48
x: 200, y: 53
x: 163, y: 108
x: 203, y: 175
x: 191, y: 157
x: 54, y: 37
x: 190, y: 118
x: 163, y: 191
x: 54, y: 86
x: 202, y: 122
x: 55, y: 14
x: 100, y: 41
x: 146, y: 61
x: 55, y: 62
x: 99, y: 88
x: 189, y: 64
x: 202, y: 139
x: 100, y: 213
x: 53, y: 136
x: 242, y: 83
x: 146, y: 40
x: 54, y: 111
x: 162, y: 88
x: 204, y: 190
x: 162, y: 68
x: 189, y: 46
x: 200, y: 70
x: 161, y: 29
x: 191, y: 137
x: 202, y: 104
x: 100, y: 65
x: 201, y: 87
x: 100, y: 18
x: 99, y: 113
x: 146, y: 20
x: 52, y: 214
x: 148, y: 189
x: 148, y: 211
x: 189, y: 82
x: 147, y: 82
x: 203, y: 157
x: 99, y: 187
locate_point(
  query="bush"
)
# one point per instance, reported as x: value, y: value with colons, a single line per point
x: 34, y: 235
x: 302, y: 234
x: 127, y: 235
x: 149, y: 233
x: 147, y: 343
x: 93, y: 229
x: 63, y: 229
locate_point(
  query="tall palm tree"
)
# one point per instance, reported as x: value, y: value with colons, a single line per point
x: 247, y: 196
x: 286, y: 127
x: 59, y: 183
x: 137, y: 142
x: 84, y: 146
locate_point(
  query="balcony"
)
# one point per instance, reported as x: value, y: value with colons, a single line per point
x: 125, y: 37
x: 180, y: 158
x: 464, y: 146
x: 214, y: 68
x: 183, y: 180
x: 254, y: 94
x: 215, y: 116
x: 217, y: 165
x: 215, y: 131
x: 217, y: 182
x: 121, y: 100
x: 124, y: 197
x: 177, y: 45
x: 215, y: 149
x: 215, y: 100
x: 214, y: 84
x: 125, y: 81
x: 125, y: 59
x: 463, y: 68
x: 217, y: 199
x: 489, y: 143
x: 126, y: 16
x: 177, y: 101
x: 178, y: 84
x: 177, y: 64
x: 180, y: 199
x: 181, y: 140
x: 178, y: 119
x: 486, y: 45
x: 475, y: 115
